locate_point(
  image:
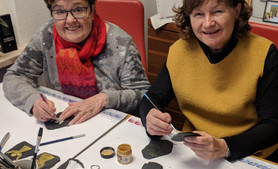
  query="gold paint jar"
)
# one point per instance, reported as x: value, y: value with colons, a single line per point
x: 124, y: 153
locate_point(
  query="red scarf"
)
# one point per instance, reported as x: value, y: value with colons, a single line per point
x: 75, y: 69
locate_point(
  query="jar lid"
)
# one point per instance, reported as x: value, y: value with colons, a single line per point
x: 107, y: 152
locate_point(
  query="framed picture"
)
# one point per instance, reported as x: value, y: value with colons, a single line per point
x: 249, y: 2
x: 271, y: 11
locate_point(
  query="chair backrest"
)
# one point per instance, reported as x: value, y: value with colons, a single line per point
x: 129, y: 15
x: 268, y: 31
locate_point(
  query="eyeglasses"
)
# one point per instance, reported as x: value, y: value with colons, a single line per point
x: 77, y: 13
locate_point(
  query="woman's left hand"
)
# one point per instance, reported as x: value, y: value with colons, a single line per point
x: 206, y: 146
x: 85, y: 109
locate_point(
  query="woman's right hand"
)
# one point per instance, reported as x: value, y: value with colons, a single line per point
x: 43, y: 110
x: 157, y: 123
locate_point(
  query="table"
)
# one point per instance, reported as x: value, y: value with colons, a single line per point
x: 25, y: 128
x: 9, y: 58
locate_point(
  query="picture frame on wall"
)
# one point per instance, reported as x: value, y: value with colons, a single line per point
x: 7, y: 37
x: 249, y: 2
x: 271, y: 12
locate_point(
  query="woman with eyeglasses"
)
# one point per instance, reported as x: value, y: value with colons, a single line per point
x: 81, y: 55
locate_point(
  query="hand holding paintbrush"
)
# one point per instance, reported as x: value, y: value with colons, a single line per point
x: 174, y: 131
x: 43, y: 109
x: 57, y: 120
x: 175, y: 135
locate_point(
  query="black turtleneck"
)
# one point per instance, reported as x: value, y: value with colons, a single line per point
x: 216, y: 57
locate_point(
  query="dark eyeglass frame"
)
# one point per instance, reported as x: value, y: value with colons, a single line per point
x: 67, y: 13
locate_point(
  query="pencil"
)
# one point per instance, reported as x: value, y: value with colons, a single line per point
x: 158, y: 109
x: 62, y: 139
x: 37, y: 147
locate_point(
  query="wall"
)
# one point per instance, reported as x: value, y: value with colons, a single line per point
x: 258, y: 8
x: 27, y: 16
x: 150, y: 10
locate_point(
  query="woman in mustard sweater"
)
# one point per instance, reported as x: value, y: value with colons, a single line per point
x: 225, y: 80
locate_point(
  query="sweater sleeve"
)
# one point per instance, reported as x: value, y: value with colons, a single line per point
x: 133, y: 83
x: 265, y: 133
x: 161, y: 93
x: 20, y: 80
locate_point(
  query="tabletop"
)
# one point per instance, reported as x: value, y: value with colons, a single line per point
x: 125, y: 130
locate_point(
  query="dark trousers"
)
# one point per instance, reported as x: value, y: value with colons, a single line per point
x: 273, y: 157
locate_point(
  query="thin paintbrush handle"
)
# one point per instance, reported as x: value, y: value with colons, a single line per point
x: 34, y: 161
x: 62, y: 139
x: 151, y: 101
x: 37, y: 147
x: 43, y: 98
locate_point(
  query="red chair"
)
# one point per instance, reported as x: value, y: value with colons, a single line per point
x: 268, y: 31
x: 129, y: 15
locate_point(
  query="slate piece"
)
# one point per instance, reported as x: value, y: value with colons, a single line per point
x: 20, y: 151
x: 52, y: 125
x: 157, y: 148
x: 47, y: 160
x: 180, y: 136
x: 152, y: 165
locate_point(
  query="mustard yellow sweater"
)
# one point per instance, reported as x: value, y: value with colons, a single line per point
x: 217, y: 98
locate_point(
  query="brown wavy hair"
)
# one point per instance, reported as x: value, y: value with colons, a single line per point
x: 50, y: 2
x: 182, y: 18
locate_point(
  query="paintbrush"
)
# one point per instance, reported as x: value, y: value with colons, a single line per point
x: 62, y: 139
x: 57, y: 120
x: 37, y: 147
